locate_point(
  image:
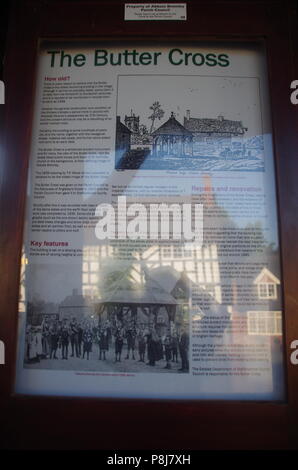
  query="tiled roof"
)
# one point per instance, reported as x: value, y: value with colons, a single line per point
x: 171, y: 127
x: 213, y: 125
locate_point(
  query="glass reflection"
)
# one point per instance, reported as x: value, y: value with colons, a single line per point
x: 164, y: 290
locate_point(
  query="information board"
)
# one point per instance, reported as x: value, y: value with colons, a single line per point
x: 151, y: 253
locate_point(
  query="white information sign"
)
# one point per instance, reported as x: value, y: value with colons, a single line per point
x: 151, y: 252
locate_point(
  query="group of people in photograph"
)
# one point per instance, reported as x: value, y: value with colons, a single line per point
x: 122, y: 340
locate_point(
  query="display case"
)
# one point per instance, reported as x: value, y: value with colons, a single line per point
x: 149, y: 224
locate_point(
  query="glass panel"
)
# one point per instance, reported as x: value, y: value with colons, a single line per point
x: 151, y: 253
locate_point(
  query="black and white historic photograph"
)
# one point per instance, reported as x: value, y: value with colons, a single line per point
x: 133, y: 325
x: 162, y: 123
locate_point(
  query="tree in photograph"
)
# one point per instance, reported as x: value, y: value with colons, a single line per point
x: 143, y: 130
x: 157, y: 113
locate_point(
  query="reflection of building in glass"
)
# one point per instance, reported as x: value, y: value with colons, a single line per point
x: 76, y: 306
x: 199, y: 262
x: 132, y: 122
x: 38, y: 310
x: 267, y: 320
x: 267, y: 284
x: 218, y: 137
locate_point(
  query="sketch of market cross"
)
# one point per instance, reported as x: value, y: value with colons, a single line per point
x: 198, y: 144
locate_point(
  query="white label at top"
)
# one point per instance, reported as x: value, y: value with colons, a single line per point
x: 155, y: 11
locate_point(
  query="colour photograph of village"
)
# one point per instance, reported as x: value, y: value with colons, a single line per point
x: 166, y: 136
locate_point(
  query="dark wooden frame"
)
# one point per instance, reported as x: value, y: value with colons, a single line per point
x: 43, y: 422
